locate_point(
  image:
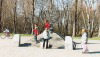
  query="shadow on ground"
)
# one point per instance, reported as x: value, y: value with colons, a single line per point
x: 61, y: 47
x: 25, y: 45
x: 78, y: 48
x: 94, y: 52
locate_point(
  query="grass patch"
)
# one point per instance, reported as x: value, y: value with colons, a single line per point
x: 26, y: 34
x: 20, y: 34
x: 93, y: 38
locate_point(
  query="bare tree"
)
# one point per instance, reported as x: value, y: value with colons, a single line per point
x: 1, y: 1
x: 67, y: 16
x: 32, y: 17
x: 98, y: 18
x: 75, y: 20
x: 15, y: 16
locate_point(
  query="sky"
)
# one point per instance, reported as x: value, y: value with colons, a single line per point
x: 57, y: 3
x: 94, y: 4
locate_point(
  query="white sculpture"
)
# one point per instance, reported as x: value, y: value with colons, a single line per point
x: 17, y: 39
x: 68, y: 43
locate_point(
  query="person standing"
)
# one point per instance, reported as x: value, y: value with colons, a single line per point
x: 47, y: 26
x: 7, y: 33
x: 36, y: 33
x: 46, y: 38
x: 84, y: 39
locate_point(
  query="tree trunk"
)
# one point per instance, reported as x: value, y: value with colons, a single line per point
x: 0, y: 14
x: 88, y: 21
x: 25, y: 20
x: 99, y: 31
x: 32, y: 19
x: 75, y: 20
x: 73, y: 29
x: 15, y: 17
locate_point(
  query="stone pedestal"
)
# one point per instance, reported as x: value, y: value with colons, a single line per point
x: 68, y: 43
x: 17, y: 39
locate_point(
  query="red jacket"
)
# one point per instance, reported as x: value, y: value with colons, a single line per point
x: 47, y: 25
x: 36, y: 32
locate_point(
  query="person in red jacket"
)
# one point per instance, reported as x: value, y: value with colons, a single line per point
x: 36, y: 33
x: 47, y: 24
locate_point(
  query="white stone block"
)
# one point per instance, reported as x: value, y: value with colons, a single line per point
x: 16, y: 39
x: 68, y: 43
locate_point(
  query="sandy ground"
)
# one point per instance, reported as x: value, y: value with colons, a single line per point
x: 9, y: 48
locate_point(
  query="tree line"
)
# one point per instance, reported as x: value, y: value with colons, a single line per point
x: 68, y: 17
